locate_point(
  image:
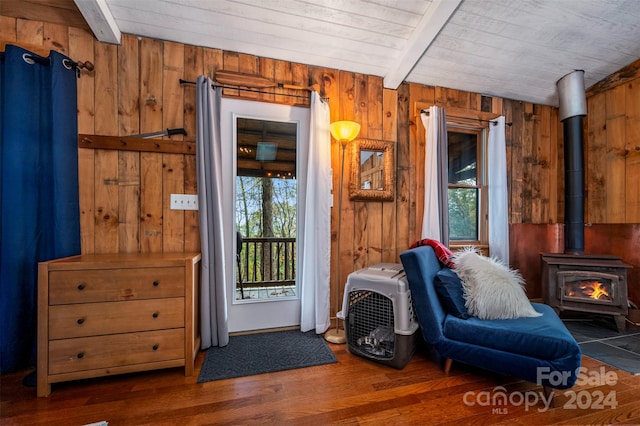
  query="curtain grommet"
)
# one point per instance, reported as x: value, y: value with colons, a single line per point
x: 28, y: 59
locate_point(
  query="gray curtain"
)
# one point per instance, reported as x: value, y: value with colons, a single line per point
x: 213, y: 300
x: 443, y: 175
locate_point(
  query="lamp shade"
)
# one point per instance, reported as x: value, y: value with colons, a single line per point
x: 345, y: 130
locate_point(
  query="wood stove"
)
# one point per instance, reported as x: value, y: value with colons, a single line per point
x: 574, y: 281
x: 586, y: 283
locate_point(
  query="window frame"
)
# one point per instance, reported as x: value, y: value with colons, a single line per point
x: 481, y: 132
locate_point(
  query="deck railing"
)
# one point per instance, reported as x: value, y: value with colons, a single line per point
x: 266, y: 262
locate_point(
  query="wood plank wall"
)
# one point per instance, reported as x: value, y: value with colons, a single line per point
x: 134, y: 89
x: 613, y: 157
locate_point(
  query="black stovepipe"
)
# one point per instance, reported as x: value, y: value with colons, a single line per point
x: 574, y: 185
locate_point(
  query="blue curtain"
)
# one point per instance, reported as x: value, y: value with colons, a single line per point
x: 39, y: 215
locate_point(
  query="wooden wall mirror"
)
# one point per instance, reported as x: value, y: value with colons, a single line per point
x: 372, y: 170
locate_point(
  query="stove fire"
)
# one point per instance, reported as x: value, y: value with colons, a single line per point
x: 589, y: 289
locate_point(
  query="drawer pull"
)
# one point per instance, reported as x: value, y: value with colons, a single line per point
x: 155, y: 314
x: 155, y: 347
x: 80, y: 321
x: 156, y: 283
x: 81, y: 286
x: 81, y: 355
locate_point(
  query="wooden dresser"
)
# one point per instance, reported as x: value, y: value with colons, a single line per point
x: 107, y: 314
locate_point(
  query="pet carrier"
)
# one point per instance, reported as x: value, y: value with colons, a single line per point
x: 377, y: 310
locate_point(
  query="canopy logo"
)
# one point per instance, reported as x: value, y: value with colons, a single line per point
x: 499, y: 400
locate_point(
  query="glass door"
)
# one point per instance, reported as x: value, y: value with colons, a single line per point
x: 261, y: 159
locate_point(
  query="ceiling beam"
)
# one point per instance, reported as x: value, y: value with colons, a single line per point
x: 426, y: 31
x: 100, y: 19
x: 628, y: 73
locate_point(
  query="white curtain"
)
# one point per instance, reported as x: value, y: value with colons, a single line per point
x: 498, y: 201
x: 435, y: 221
x: 213, y: 300
x: 315, y: 215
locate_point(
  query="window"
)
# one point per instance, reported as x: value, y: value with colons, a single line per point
x: 467, y: 189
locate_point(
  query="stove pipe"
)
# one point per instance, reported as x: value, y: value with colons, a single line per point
x: 573, y: 106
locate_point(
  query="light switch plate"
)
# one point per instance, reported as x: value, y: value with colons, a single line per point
x: 184, y: 202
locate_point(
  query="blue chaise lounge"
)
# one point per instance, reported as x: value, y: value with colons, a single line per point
x: 537, y: 349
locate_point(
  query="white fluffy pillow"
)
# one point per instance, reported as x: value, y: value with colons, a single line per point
x: 491, y: 289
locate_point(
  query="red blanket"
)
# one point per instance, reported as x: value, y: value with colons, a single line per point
x: 442, y: 252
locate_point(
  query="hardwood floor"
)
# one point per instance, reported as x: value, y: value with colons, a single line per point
x: 352, y: 391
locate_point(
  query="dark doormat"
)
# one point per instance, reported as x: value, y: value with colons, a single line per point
x: 251, y: 354
x: 599, y: 339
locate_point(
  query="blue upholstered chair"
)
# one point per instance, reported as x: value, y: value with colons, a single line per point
x: 539, y: 349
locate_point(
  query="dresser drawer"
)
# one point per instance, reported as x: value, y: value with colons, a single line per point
x: 93, y: 319
x: 104, y: 285
x: 90, y: 353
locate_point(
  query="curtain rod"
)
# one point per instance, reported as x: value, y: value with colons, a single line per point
x: 254, y: 90
x: 68, y: 63
x: 41, y: 56
x: 494, y: 122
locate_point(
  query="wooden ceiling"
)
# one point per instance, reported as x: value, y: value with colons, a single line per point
x: 514, y: 49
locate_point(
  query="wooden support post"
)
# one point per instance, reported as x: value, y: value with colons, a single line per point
x: 447, y: 365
